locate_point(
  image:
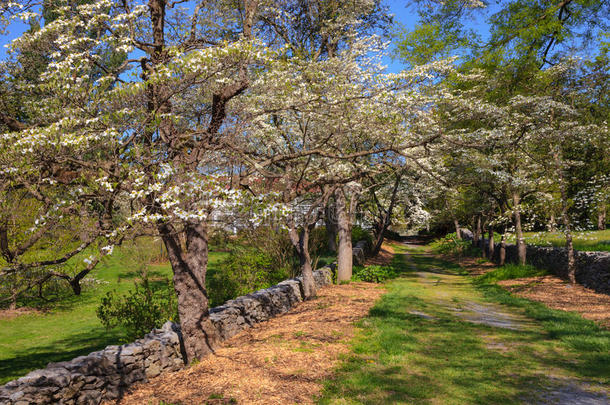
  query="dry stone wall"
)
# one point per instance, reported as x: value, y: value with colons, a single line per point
x: 106, y: 374
x: 592, y: 268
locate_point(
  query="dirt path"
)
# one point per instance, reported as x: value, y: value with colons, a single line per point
x: 456, y: 295
x: 282, y: 361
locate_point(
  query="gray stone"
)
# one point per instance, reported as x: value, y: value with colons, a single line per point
x: 103, y: 375
x: 592, y: 268
x: 153, y: 370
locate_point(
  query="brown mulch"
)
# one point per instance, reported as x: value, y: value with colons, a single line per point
x: 559, y: 294
x: 384, y: 257
x: 283, y: 360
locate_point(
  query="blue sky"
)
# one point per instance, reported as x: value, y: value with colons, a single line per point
x: 404, y: 15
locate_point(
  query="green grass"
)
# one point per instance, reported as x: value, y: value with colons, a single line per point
x: 587, y: 343
x: 510, y: 271
x: 585, y: 241
x: 71, y: 328
x: 412, y: 349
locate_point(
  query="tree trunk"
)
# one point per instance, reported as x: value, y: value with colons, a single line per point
x: 330, y: 220
x: 477, y: 231
x: 385, y: 219
x: 457, y: 228
x: 309, y: 285
x: 571, y: 256
x: 521, y: 249
x: 503, y: 249
x: 565, y: 217
x: 189, y: 267
x: 552, y: 223
x: 300, y: 241
x: 491, y: 247
x: 344, y: 258
x: 378, y: 231
x: 601, y: 217
x: 12, y: 305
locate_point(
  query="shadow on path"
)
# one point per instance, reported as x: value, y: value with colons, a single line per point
x: 445, y: 285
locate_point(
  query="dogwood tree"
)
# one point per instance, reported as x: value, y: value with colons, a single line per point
x: 135, y: 148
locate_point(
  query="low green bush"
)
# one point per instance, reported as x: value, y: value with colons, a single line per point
x: 373, y: 274
x: 359, y: 233
x: 510, y: 271
x: 149, y: 305
x: 246, y: 269
x: 450, y: 244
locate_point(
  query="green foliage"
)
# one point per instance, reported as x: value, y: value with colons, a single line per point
x: 450, y: 244
x: 373, y: 274
x: 358, y: 234
x: 219, y: 240
x: 246, y: 269
x: 149, y: 305
x: 510, y: 271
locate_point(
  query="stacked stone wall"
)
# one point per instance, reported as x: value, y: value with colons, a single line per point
x: 106, y: 374
x: 592, y: 268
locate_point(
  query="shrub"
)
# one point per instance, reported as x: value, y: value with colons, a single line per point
x: 510, y: 271
x: 372, y: 274
x: 246, y: 269
x: 318, y: 241
x: 219, y: 240
x: 147, y: 306
x: 450, y: 244
x: 359, y: 233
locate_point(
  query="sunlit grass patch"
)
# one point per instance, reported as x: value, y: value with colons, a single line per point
x: 585, y: 241
x: 510, y: 271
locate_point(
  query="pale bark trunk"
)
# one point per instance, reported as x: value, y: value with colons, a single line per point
x: 189, y: 267
x: 477, y: 233
x: 13, y: 302
x: 491, y: 248
x: 457, y: 229
x: 309, y: 285
x: 601, y: 217
x: 571, y: 256
x: 521, y: 249
x: 344, y: 258
x: 552, y: 223
x: 503, y: 249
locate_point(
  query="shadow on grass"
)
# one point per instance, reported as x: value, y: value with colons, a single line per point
x: 411, y: 350
x: 403, y: 358
x: 589, y: 343
x: 39, y: 356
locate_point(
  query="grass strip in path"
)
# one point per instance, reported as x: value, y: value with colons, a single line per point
x: 420, y: 345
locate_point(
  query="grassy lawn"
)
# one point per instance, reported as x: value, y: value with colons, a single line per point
x: 586, y: 241
x: 71, y: 328
x: 416, y: 348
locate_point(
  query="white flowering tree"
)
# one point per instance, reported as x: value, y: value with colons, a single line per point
x: 325, y: 123
x: 136, y: 148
